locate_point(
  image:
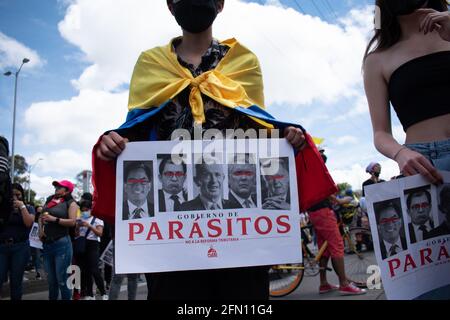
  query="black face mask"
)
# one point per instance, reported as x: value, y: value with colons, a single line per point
x: 376, y: 174
x: 195, y: 16
x: 404, y: 7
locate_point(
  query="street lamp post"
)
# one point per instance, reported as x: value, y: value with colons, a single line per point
x: 29, y: 178
x: 25, y: 60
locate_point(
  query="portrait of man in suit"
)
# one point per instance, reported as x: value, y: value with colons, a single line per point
x: 209, y: 179
x: 390, y: 227
x: 444, y: 208
x: 275, y: 184
x: 418, y: 202
x: 242, y: 181
x: 138, y: 195
x: 172, y: 176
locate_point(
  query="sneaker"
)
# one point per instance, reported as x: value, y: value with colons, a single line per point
x: 351, y: 289
x: 89, y: 298
x: 327, y: 288
x: 105, y: 297
x: 38, y: 276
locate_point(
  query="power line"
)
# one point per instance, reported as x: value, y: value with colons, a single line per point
x: 331, y: 9
x: 299, y: 7
x: 318, y: 10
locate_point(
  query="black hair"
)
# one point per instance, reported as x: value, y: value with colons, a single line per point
x: 390, y: 32
x: 19, y: 188
x: 85, y: 204
x: 383, y: 205
x: 416, y: 192
x: 168, y: 159
x: 134, y: 165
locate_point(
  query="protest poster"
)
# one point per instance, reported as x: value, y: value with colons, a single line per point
x: 35, y: 242
x: 195, y: 205
x: 108, y: 254
x: 410, y: 220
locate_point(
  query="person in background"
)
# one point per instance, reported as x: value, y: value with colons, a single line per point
x: 15, y: 244
x: 374, y: 169
x: 36, y: 252
x: 91, y: 228
x: 58, y: 217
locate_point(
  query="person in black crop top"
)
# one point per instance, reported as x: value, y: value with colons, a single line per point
x: 407, y: 63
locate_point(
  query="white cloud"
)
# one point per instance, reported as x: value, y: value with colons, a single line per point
x: 356, y: 174
x: 346, y: 140
x: 75, y: 123
x: 12, y: 52
x: 303, y: 58
x: 305, y: 61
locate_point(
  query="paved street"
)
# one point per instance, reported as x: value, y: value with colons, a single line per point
x: 308, y: 289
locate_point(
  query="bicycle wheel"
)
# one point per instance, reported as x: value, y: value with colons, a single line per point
x: 356, y: 265
x: 284, y: 279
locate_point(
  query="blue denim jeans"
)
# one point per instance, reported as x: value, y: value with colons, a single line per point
x: 437, y: 152
x: 13, y: 259
x: 57, y: 258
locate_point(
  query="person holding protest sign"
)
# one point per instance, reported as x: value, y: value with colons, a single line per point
x: 14, y: 243
x: 198, y: 82
x: 407, y: 63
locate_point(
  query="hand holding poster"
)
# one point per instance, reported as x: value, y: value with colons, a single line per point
x: 208, y: 207
x: 410, y: 222
x: 35, y: 242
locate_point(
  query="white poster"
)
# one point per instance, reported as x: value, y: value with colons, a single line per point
x: 410, y: 223
x: 35, y: 242
x: 107, y: 255
x: 217, y: 204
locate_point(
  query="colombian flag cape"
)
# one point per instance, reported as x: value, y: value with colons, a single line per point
x: 235, y: 83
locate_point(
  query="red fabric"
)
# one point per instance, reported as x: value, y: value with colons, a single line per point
x: 326, y: 227
x: 314, y: 182
x: 54, y: 202
x: 313, y: 179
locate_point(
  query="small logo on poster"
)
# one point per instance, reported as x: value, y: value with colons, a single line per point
x: 212, y: 253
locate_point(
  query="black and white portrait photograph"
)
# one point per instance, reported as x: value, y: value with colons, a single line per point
x: 419, y: 205
x: 137, y: 190
x: 275, y: 188
x: 390, y: 226
x: 172, y: 186
x: 242, y: 181
x: 443, y: 227
x: 209, y: 181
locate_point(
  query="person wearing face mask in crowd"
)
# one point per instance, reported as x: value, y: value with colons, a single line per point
x: 14, y: 243
x: 406, y: 65
x: 374, y: 169
x: 59, y: 215
x: 198, y: 83
x: 91, y: 228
